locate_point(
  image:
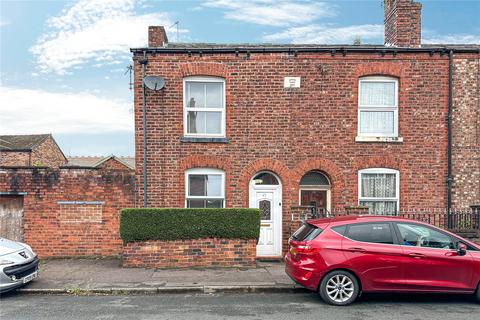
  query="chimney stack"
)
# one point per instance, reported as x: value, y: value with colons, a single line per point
x: 157, y: 37
x: 402, y: 19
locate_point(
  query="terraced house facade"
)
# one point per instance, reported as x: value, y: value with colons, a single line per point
x: 282, y: 126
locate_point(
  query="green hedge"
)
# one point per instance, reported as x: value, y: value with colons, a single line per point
x: 174, y: 224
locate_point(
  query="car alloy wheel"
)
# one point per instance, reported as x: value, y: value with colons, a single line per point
x: 339, y: 288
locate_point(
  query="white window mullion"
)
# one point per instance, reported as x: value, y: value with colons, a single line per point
x: 207, y: 172
x: 381, y: 101
x: 215, y: 123
x: 383, y: 184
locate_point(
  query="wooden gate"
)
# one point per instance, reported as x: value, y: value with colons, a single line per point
x: 11, y: 217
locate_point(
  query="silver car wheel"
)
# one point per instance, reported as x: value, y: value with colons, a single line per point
x: 340, y: 288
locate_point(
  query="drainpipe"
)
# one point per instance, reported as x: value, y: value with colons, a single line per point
x: 449, y: 128
x: 144, y: 62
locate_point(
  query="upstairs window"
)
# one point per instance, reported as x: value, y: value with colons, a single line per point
x: 379, y: 190
x: 204, y: 107
x: 204, y: 188
x: 378, y: 107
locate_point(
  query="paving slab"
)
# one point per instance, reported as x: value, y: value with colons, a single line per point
x: 106, y: 276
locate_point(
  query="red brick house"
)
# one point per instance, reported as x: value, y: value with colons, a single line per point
x: 278, y: 126
x: 39, y: 150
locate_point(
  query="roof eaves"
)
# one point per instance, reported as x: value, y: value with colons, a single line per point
x: 299, y: 48
x: 16, y: 150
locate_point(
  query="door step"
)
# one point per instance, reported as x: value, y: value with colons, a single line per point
x: 270, y: 259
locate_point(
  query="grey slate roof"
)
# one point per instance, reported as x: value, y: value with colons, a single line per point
x: 21, y: 142
x: 334, y: 46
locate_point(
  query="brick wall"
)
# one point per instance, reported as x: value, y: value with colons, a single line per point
x: 466, y: 131
x: 48, y: 154
x: 71, y: 212
x: 208, y: 252
x: 14, y: 158
x: 80, y: 212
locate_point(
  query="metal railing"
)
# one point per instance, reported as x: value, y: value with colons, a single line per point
x: 457, y: 219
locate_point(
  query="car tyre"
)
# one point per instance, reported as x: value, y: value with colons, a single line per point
x: 339, y: 288
x: 477, y: 293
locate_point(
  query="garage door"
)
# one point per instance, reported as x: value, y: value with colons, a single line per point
x: 11, y: 217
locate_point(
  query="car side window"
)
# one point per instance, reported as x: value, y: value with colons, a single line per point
x: 370, y: 232
x: 340, y: 229
x: 421, y: 236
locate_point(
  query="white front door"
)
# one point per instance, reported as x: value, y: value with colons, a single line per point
x: 268, y: 200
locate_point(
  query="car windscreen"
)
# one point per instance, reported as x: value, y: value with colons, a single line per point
x: 306, y: 232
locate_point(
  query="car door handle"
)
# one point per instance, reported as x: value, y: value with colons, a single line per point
x: 359, y: 250
x: 416, y: 255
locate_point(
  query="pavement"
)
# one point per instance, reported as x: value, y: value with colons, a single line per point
x: 105, y: 276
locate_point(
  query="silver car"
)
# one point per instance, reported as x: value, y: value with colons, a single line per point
x: 18, y: 264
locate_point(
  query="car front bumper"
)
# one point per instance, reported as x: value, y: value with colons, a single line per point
x: 17, y: 275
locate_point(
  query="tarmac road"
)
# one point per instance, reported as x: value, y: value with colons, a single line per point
x: 279, y: 306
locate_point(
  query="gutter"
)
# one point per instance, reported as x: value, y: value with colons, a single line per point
x: 332, y: 49
x: 16, y: 150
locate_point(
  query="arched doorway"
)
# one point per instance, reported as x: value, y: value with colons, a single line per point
x: 265, y: 193
x: 315, y: 190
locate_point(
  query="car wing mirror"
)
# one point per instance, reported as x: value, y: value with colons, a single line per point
x: 462, y: 249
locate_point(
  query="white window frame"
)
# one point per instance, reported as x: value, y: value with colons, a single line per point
x: 186, y: 109
x: 204, y: 171
x: 317, y: 188
x: 384, y: 171
x: 380, y: 108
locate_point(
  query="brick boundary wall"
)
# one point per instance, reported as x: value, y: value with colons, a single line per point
x: 71, y: 212
x: 206, y: 252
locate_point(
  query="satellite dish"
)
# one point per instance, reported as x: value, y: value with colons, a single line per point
x: 154, y: 82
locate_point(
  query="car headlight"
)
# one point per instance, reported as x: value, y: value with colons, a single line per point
x: 5, y: 261
x: 27, y: 246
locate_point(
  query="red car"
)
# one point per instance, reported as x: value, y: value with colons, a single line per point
x: 342, y: 257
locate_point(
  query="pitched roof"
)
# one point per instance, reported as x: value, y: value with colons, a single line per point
x: 96, y: 161
x: 21, y: 142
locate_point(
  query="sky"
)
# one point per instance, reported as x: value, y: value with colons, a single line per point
x: 63, y: 63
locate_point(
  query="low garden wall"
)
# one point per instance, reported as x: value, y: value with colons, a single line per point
x: 180, y: 238
x: 206, y: 252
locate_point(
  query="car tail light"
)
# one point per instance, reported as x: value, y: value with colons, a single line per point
x: 302, y: 247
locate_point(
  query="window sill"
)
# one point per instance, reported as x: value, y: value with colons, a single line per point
x: 379, y: 139
x: 204, y: 140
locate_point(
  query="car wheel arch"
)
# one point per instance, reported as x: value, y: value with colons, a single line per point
x: 342, y: 269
